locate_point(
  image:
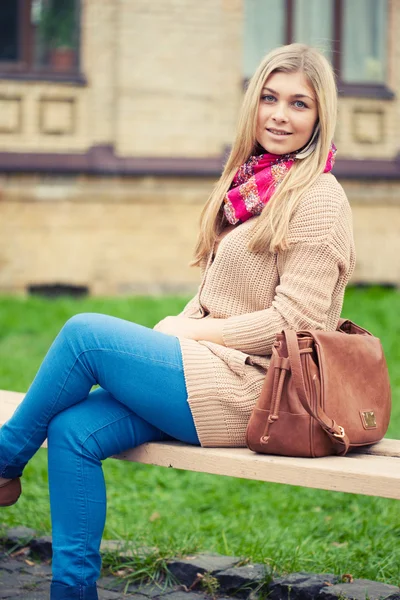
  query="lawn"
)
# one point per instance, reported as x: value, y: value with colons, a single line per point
x: 289, y: 528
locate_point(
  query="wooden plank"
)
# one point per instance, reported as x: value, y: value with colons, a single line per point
x: 372, y: 471
x: 385, y: 447
x: 378, y: 475
x: 8, y: 403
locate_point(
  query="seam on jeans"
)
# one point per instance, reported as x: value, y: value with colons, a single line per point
x: 82, y: 477
x: 110, y: 423
x: 3, y: 468
x: 145, y: 359
x: 51, y: 407
x: 86, y: 538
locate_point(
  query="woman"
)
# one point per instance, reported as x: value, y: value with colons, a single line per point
x: 276, y: 251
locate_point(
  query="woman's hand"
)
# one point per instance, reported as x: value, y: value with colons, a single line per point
x: 179, y: 326
x: 195, y: 329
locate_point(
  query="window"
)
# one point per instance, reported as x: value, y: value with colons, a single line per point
x: 312, y: 24
x: 351, y: 33
x: 365, y: 53
x: 39, y: 38
x: 9, y: 50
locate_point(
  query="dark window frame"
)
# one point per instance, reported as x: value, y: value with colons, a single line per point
x: 24, y: 40
x: 362, y: 90
x: 24, y: 69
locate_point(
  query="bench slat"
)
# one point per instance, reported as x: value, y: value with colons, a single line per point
x: 376, y: 476
x: 385, y: 447
x: 373, y: 470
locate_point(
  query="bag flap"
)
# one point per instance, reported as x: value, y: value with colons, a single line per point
x: 354, y: 379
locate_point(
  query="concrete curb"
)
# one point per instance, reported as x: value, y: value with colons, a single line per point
x: 198, y: 577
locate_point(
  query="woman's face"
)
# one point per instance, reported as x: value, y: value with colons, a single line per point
x: 287, y: 113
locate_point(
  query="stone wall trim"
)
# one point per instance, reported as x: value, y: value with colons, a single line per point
x: 75, y: 78
x: 102, y: 160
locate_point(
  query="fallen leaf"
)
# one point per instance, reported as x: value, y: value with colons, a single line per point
x: 21, y: 552
x: 123, y: 572
x: 199, y: 577
x: 29, y: 562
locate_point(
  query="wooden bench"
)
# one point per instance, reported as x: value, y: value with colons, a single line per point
x: 374, y: 471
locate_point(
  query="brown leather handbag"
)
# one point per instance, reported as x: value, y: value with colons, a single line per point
x: 325, y: 392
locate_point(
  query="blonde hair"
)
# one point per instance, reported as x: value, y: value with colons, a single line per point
x: 271, y: 228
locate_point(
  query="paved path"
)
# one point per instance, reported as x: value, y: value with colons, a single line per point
x: 20, y: 580
x: 23, y: 579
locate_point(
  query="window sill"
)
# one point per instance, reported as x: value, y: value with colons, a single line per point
x: 365, y: 90
x: 54, y: 77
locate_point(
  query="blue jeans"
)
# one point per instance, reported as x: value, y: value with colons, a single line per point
x: 142, y: 397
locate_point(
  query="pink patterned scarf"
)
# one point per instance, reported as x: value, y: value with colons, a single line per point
x: 256, y: 181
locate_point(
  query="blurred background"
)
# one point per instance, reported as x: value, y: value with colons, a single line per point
x: 116, y: 117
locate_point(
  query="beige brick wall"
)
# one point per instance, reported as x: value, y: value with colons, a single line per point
x: 178, y: 76
x: 101, y: 47
x: 116, y: 236
x: 376, y: 218
x: 136, y: 235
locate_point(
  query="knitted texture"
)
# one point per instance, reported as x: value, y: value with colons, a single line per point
x: 259, y: 295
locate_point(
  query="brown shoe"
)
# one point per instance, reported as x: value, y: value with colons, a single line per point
x: 10, y: 492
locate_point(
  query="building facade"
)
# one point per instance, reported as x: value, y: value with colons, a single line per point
x: 116, y: 116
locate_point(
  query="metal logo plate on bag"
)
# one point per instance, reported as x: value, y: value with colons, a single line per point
x: 368, y: 419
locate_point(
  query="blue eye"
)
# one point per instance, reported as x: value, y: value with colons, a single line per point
x: 268, y: 98
x: 300, y: 104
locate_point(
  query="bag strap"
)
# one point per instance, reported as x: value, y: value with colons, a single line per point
x: 335, y: 431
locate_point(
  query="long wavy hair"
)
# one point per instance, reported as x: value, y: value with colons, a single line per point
x: 271, y: 228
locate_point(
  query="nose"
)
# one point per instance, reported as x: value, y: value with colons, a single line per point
x: 280, y: 113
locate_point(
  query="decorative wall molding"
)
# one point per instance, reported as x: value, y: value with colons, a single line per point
x: 10, y: 114
x: 57, y: 116
x: 368, y: 125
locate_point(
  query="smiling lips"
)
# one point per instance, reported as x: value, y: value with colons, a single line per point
x: 278, y: 132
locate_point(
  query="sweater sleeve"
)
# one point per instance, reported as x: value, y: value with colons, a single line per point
x: 308, y: 275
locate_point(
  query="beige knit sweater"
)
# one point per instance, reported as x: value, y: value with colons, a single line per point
x: 258, y: 295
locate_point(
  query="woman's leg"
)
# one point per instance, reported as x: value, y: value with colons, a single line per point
x: 79, y: 438
x: 140, y: 367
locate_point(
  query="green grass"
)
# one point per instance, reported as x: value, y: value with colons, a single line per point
x: 288, y: 528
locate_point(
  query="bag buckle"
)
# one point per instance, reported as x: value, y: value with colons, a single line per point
x: 341, y: 434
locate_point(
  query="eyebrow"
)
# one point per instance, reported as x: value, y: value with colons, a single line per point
x: 268, y: 89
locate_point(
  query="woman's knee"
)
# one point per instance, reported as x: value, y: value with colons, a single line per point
x: 66, y: 428
x: 98, y: 427
x: 67, y: 434
x: 84, y: 331
x: 81, y: 323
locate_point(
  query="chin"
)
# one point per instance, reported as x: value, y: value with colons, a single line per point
x: 277, y: 148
